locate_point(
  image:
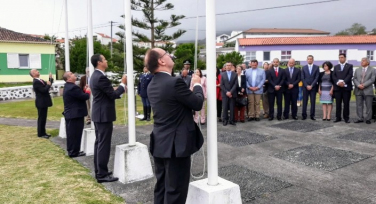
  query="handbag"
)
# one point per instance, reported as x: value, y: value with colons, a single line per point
x: 240, y: 102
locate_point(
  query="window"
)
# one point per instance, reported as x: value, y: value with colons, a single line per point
x: 370, y: 54
x: 285, y: 55
x: 343, y: 52
x: 250, y: 56
x: 266, y: 56
x: 24, y: 61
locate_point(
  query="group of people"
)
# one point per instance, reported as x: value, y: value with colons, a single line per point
x: 241, y: 90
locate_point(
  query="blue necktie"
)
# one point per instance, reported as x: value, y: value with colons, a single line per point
x: 341, y: 67
x: 229, y: 75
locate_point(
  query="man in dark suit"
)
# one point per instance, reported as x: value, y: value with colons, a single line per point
x: 342, y: 79
x: 310, y: 77
x: 276, y: 79
x: 175, y: 135
x: 229, y: 83
x: 103, y: 115
x: 186, y: 78
x: 42, y: 100
x: 143, y: 84
x: 292, y: 79
x: 74, y: 112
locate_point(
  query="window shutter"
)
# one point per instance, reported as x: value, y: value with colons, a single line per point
x: 12, y: 60
x: 35, y: 61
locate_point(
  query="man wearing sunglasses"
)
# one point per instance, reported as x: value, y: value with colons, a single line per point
x: 175, y: 136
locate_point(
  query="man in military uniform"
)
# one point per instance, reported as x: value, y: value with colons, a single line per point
x: 142, y: 87
x: 187, y: 65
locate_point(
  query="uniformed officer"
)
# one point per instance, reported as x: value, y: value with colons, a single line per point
x: 187, y: 65
x: 142, y: 87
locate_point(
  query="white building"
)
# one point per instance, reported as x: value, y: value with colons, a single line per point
x: 156, y: 44
x: 105, y: 39
x: 323, y: 48
x: 274, y: 32
x: 222, y: 38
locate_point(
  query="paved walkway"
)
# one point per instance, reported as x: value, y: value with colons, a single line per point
x: 314, y: 162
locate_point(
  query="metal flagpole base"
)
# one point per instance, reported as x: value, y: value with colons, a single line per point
x: 87, y: 141
x: 62, y: 130
x: 225, y: 192
x: 132, y: 163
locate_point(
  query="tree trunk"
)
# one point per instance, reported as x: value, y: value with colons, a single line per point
x: 152, y: 23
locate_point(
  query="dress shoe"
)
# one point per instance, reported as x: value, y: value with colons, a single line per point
x: 242, y: 121
x: 359, y: 121
x: 279, y: 118
x: 295, y: 118
x: 304, y: 118
x: 270, y: 119
x: 266, y: 116
x: 107, y: 178
x: 251, y: 119
x: 347, y: 121
x: 328, y: 119
x: 225, y: 122
x: 80, y: 154
x: 313, y: 118
x: 337, y: 120
x: 324, y: 119
x: 368, y: 122
x: 44, y: 136
x: 232, y: 123
x: 257, y: 119
x: 285, y: 118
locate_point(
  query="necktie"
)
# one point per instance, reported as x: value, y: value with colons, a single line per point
x: 229, y: 75
x: 291, y: 72
x: 363, y: 74
x: 276, y: 72
x: 341, y: 67
x: 310, y: 69
x: 42, y: 81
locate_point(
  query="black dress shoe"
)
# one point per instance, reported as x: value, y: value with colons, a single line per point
x: 337, y: 120
x: 44, y: 136
x: 257, y: 119
x: 285, y: 118
x: 270, y: 119
x: 279, y: 118
x: 225, y: 122
x: 328, y: 119
x: 251, y: 119
x: 80, y: 154
x: 295, y: 118
x: 313, y: 118
x: 107, y: 178
x: 347, y: 121
x: 232, y: 123
x: 368, y: 122
x: 359, y: 121
x: 304, y: 118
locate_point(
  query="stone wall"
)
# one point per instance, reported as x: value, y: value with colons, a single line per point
x: 21, y: 92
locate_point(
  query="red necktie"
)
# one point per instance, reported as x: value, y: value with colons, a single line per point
x: 276, y: 72
x: 41, y: 81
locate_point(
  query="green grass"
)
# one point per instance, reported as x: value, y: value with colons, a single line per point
x: 34, y: 170
x: 5, y: 85
x: 26, y: 109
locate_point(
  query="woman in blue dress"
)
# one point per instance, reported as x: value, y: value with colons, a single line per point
x: 326, y: 90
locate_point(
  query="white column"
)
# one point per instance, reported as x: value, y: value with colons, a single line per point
x: 66, y: 40
x: 130, y: 84
x: 211, y: 91
x: 90, y: 44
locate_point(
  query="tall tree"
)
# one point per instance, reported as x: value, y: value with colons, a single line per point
x: 355, y: 29
x: 156, y: 26
x: 234, y: 57
x: 186, y: 51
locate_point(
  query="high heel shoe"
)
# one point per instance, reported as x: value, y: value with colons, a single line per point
x: 324, y: 119
x: 328, y: 119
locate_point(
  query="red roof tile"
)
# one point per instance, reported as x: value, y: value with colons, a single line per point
x: 319, y: 40
x: 12, y: 36
x: 285, y: 31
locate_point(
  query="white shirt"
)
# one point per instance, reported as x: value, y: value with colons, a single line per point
x: 254, y: 74
x: 239, y: 80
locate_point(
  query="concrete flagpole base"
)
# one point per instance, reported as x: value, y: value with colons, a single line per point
x: 132, y: 163
x: 87, y: 141
x: 62, y: 130
x: 225, y: 192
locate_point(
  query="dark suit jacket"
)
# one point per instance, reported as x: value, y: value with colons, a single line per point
x: 42, y: 94
x: 174, y: 129
x: 274, y: 80
x: 310, y: 79
x: 74, y: 101
x: 229, y: 85
x: 243, y: 84
x: 296, y: 74
x: 143, y: 84
x: 187, y: 80
x: 346, y: 75
x: 104, y: 96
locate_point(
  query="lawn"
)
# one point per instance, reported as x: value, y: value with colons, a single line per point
x: 26, y: 109
x: 5, y: 85
x: 34, y: 170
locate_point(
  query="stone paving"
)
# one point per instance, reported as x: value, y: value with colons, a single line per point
x: 313, y: 162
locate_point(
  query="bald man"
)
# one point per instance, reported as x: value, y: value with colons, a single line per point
x: 292, y: 79
x: 175, y: 136
x: 42, y: 100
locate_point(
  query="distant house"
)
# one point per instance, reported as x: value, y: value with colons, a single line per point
x: 21, y: 52
x: 156, y: 44
x: 323, y: 48
x: 274, y: 32
x: 105, y: 39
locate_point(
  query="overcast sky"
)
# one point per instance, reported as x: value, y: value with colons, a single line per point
x: 47, y: 16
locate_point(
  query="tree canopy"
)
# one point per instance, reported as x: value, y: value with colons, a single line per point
x: 234, y: 57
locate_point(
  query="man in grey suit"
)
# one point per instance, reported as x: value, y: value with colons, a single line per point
x: 228, y: 85
x: 363, y: 79
x: 186, y: 78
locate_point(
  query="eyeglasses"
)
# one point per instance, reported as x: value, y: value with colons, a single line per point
x: 168, y: 54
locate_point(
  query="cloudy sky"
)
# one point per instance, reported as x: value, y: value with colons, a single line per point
x: 47, y: 16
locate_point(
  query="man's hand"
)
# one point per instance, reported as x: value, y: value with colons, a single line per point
x: 361, y: 86
x: 195, y: 79
x: 88, y: 89
x: 242, y: 90
x: 50, y: 75
x: 341, y: 84
x: 277, y: 87
x: 309, y: 87
x: 228, y: 94
x: 124, y: 79
x: 291, y: 86
x: 48, y: 83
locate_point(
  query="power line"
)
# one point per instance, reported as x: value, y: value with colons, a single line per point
x: 269, y: 8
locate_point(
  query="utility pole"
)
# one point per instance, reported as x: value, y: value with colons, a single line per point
x: 111, y: 36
